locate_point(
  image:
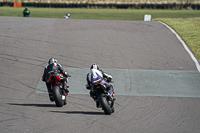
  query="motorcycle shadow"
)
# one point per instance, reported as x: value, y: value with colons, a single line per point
x: 80, y: 112
x: 36, y: 105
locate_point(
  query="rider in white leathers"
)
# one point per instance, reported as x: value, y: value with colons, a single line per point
x: 97, y: 75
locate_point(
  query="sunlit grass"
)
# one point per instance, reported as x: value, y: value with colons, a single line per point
x: 188, y: 29
x: 99, y: 14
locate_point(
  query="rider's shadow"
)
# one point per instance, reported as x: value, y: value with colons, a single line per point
x: 36, y: 105
x: 53, y: 105
x: 80, y: 112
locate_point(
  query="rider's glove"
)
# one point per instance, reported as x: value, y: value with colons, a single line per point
x: 43, y: 79
x: 88, y: 87
x: 109, y: 79
x: 65, y: 74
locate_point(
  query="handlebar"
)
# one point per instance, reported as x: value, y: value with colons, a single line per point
x: 109, y: 80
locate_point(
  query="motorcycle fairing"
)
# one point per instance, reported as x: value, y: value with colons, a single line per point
x: 54, y: 79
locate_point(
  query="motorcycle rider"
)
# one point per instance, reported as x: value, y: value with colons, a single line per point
x: 54, y: 68
x: 26, y: 12
x: 97, y: 75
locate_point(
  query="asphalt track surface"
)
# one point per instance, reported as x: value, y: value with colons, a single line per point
x: 135, y: 47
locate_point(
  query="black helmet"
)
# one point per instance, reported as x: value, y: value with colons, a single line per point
x: 94, y: 66
x: 52, y: 60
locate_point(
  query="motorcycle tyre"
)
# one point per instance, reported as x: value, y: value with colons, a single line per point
x: 57, y: 96
x: 106, y: 108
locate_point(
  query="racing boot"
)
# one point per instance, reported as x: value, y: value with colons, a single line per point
x: 94, y: 97
x: 50, y: 93
x: 98, y: 104
x: 51, y: 97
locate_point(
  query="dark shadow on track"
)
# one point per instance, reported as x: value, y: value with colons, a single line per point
x: 80, y: 112
x: 36, y: 105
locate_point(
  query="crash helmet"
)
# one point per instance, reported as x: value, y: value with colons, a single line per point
x: 52, y: 60
x: 94, y: 66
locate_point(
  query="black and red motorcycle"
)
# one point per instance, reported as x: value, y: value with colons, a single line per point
x: 57, y: 89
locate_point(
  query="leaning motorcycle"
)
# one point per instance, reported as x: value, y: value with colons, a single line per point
x: 58, y: 92
x: 105, y: 97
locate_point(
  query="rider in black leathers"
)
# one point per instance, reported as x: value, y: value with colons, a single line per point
x: 55, y: 68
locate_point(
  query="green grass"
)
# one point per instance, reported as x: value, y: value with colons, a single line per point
x: 99, y: 14
x: 112, y: 1
x: 185, y: 22
x: 188, y: 29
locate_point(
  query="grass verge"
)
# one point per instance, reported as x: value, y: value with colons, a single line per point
x: 99, y: 14
x: 188, y: 29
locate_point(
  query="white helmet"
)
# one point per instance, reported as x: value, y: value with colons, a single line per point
x: 52, y: 60
x: 94, y: 66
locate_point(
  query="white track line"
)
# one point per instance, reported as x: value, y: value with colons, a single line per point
x: 185, y: 46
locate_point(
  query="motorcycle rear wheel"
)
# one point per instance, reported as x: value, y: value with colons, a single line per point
x: 108, y: 109
x: 57, y: 96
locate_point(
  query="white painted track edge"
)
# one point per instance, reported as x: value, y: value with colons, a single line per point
x: 185, y: 46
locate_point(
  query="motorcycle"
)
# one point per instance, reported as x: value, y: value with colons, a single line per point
x: 58, y: 92
x: 104, y: 97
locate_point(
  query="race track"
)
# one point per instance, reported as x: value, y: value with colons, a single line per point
x: 156, y: 81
